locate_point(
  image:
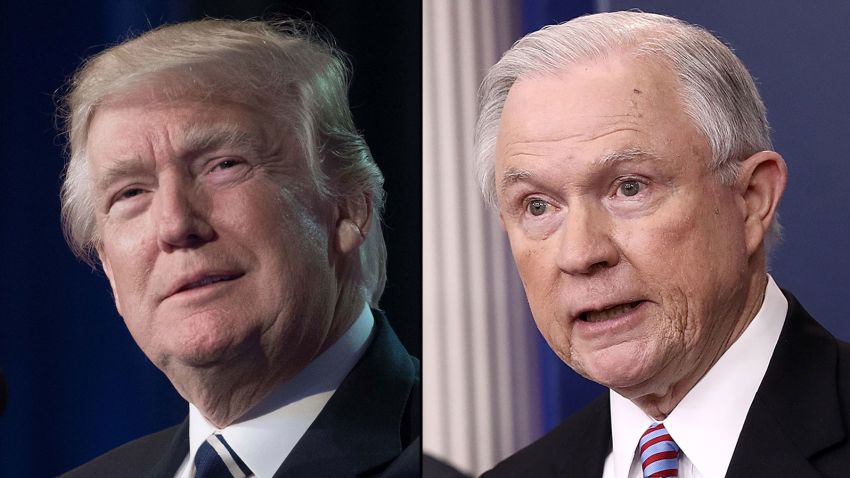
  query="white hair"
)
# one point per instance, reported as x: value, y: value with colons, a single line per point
x: 715, y: 88
x: 282, y: 67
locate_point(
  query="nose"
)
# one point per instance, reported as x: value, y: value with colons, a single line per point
x: 586, y: 245
x: 181, y: 216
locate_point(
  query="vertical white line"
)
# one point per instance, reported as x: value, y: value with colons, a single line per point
x: 477, y: 360
x: 434, y: 368
x: 481, y: 404
x: 453, y: 285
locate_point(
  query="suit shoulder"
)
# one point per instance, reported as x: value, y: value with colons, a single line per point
x: 843, y: 353
x: 407, y: 464
x: 551, y: 454
x: 412, y: 424
x: 129, y: 460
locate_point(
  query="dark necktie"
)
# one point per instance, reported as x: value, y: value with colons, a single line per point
x: 659, y: 454
x: 215, y: 459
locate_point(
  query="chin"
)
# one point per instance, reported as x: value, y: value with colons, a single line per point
x: 619, y: 367
x: 202, y: 356
x: 206, y: 347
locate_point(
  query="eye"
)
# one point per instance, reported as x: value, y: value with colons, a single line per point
x: 130, y: 193
x: 226, y: 164
x: 537, y: 207
x: 225, y: 170
x: 126, y: 198
x: 630, y: 188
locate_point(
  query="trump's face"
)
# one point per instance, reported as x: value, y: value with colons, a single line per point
x: 633, y: 255
x: 214, y: 241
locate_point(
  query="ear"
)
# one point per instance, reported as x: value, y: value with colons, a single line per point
x: 761, y: 181
x: 107, y: 269
x: 353, y: 222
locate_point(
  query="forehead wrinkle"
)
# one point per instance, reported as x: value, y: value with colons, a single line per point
x: 196, y: 139
x: 608, y: 132
x: 631, y: 154
x: 628, y: 154
x: 547, y: 143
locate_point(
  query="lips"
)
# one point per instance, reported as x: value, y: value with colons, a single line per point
x: 203, y: 279
x: 609, y: 312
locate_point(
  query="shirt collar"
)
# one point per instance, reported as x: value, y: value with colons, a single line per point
x: 707, y: 422
x: 265, y: 440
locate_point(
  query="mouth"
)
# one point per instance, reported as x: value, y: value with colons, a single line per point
x: 608, y: 313
x: 203, y: 280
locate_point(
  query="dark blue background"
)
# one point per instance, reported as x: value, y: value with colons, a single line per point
x: 799, y: 53
x: 78, y: 385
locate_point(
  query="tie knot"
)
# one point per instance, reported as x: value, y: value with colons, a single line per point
x: 215, y: 459
x: 659, y: 454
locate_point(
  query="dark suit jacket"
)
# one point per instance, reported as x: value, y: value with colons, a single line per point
x: 797, y: 425
x: 435, y: 468
x: 369, y: 428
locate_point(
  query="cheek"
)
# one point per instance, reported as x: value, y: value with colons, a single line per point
x: 536, y: 267
x: 130, y: 262
x: 287, y: 238
x: 295, y: 215
x: 683, y: 239
x: 692, y: 259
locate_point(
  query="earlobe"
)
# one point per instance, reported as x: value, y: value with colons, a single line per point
x: 354, y: 220
x: 762, y: 181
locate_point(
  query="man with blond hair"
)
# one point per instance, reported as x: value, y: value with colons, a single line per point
x: 216, y: 175
x: 629, y: 158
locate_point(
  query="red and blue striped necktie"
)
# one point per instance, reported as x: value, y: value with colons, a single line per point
x: 659, y: 454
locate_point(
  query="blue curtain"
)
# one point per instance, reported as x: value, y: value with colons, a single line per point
x: 67, y: 357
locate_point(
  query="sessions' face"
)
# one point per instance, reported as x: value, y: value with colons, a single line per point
x: 632, y: 253
x: 214, y: 241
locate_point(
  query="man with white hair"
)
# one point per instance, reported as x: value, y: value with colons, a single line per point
x: 216, y: 175
x: 628, y: 156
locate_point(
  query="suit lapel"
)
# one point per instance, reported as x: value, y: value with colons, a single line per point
x: 173, y: 454
x: 797, y: 411
x: 358, y: 432
x: 592, y: 445
x: 585, y: 443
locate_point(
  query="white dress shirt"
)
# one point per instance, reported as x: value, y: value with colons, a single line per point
x: 707, y: 422
x: 265, y: 439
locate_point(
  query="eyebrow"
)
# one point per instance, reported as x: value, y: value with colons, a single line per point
x: 513, y: 175
x: 199, y: 139
x: 118, y: 169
